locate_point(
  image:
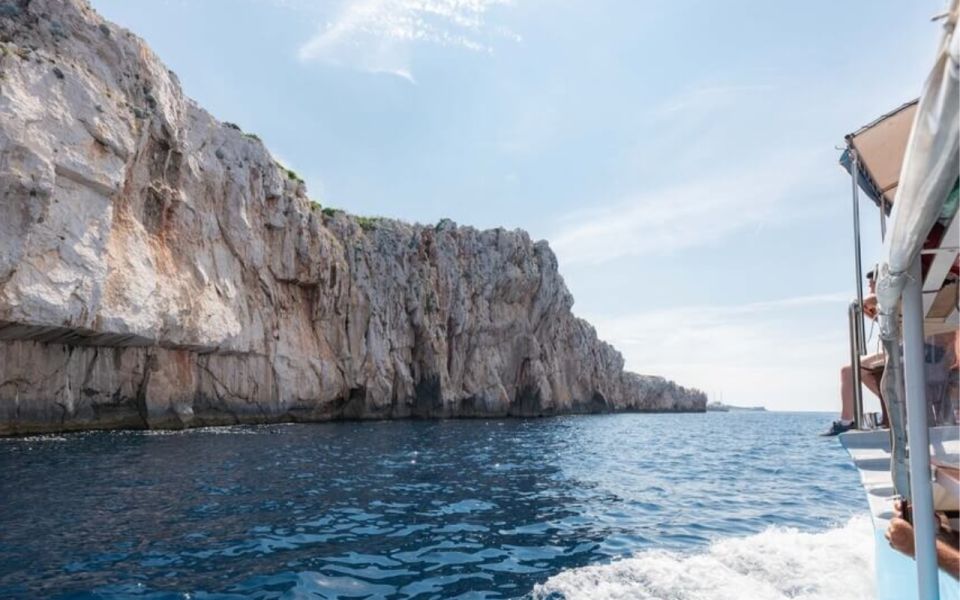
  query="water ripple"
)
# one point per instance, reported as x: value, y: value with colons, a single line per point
x: 473, y: 509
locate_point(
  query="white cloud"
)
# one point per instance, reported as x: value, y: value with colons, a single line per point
x: 782, y: 354
x: 697, y: 212
x: 376, y: 35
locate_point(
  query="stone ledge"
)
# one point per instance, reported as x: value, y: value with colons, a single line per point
x: 79, y: 336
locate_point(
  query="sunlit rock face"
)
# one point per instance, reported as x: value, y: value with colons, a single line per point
x: 158, y: 268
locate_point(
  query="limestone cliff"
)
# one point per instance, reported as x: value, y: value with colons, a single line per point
x: 159, y: 269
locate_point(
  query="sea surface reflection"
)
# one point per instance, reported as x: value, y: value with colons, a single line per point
x: 405, y: 509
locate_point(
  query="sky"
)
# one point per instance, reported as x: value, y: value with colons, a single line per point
x: 680, y: 156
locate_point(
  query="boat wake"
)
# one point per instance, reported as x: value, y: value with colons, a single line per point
x: 776, y: 564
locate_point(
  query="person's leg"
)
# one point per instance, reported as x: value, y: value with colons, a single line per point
x: 872, y: 379
x: 846, y: 394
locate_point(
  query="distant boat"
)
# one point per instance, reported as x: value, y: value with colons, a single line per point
x: 721, y: 407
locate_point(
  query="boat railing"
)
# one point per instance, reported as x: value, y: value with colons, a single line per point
x: 855, y: 317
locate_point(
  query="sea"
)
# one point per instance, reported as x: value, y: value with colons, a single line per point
x: 714, y: 506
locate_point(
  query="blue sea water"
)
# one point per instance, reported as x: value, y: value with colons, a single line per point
x: 433, y: 509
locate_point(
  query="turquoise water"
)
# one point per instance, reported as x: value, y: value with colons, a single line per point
x: 417, y: 509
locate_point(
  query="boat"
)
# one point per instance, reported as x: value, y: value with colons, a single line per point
x: 908, y: 163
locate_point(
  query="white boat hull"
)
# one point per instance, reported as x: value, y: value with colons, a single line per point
x: 896, y: 574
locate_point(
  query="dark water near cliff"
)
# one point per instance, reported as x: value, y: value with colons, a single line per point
x: 411, y: 509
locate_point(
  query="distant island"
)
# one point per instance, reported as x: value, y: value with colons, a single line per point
x: 721, y: 407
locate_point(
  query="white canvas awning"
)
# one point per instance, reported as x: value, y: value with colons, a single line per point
x: 880, y: 147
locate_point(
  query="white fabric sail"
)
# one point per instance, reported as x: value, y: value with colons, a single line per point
x: 930, y: 168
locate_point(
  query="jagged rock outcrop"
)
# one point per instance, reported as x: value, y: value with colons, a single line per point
x: 159, y: 269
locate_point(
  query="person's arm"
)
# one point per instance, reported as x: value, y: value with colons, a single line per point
x: 948, y: 558
x: 900, y: 536
x: 870, y: 306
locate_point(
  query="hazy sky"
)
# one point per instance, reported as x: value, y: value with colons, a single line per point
x: 679, y: 155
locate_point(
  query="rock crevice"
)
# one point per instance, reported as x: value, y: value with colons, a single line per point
x: 158, y: 268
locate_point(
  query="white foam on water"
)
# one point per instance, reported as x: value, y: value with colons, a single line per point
x: 47, y: 437
x: 211, y: 429
x: 776, y: 564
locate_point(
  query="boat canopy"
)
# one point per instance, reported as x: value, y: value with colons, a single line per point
x: 880, y: 147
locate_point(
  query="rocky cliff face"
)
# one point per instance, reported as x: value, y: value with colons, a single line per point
x: 159, y: 269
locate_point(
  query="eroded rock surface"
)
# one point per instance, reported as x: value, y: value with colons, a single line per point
x: 159, y: 269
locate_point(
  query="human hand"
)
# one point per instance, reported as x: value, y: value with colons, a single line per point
x: 900, y: 536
